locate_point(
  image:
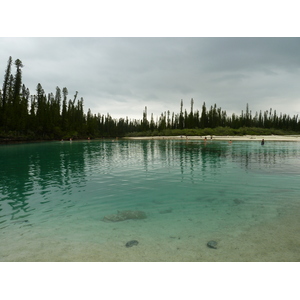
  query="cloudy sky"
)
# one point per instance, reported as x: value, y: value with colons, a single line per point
x: 121, y: 76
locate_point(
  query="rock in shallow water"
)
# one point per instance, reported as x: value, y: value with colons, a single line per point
x: 238, y: 201
x: 212, y: 244
x: 131, y: 243
x: 125, y: 215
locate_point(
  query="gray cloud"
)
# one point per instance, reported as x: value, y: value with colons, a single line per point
x: 123, y: 75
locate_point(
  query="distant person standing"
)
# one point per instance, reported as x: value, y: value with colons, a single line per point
x: 262, y: 142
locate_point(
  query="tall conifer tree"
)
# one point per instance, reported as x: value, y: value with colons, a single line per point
x: 6, y: 82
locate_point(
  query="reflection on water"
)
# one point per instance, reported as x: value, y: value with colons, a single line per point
x: 33, y: 174
x: 215, y: 184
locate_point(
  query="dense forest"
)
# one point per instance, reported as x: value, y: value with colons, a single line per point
x: 40, y: 116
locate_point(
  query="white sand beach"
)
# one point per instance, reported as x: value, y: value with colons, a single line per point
x: 283, y: 138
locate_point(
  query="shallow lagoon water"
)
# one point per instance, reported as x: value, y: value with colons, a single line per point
x: 244, y: 196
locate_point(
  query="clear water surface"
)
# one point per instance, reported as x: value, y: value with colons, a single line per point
x: 244, y: 196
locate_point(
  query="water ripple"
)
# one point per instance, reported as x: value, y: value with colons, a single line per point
x: 63, y: 183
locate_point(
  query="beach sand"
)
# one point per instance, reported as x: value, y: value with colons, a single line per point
x: 283, y: 138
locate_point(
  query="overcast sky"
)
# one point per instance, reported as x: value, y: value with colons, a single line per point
x: 121, y: 76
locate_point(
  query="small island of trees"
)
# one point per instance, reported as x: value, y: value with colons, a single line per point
x: 25, y: 117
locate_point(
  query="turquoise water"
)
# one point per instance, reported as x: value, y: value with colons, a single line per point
x: 54, y: 196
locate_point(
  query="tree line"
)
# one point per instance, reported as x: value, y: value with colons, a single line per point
x: 54, y: 116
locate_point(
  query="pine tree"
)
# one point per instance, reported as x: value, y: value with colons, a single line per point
x: 18, y: 80
x: 168, y: 120
x: 41, y: 111
x: 16, y: 112
x: 64, y: 116
x: 6, y: 92
x: 23, y: 122
x: 204, y: 118
x: 145, y: 123
x: 152, y: 123
x: 6, y: 82
x: 191, y: 116
x: 181, y: 118
x: 56, y: 108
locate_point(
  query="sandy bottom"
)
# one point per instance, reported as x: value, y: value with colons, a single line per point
x: 274, y: 240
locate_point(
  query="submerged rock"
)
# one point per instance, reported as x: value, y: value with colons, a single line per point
x: 131, y: 243
x: 238, y: 201
x: 125, y: 215
x: 212, y: 244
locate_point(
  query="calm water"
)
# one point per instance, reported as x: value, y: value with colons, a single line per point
x: 53, y: 197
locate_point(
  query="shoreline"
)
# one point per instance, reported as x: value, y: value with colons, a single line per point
x: 275, y: 138
x: 282, y: 138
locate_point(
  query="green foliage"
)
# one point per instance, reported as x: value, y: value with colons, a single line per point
x: 218, y: 131
x: 54, y: 116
